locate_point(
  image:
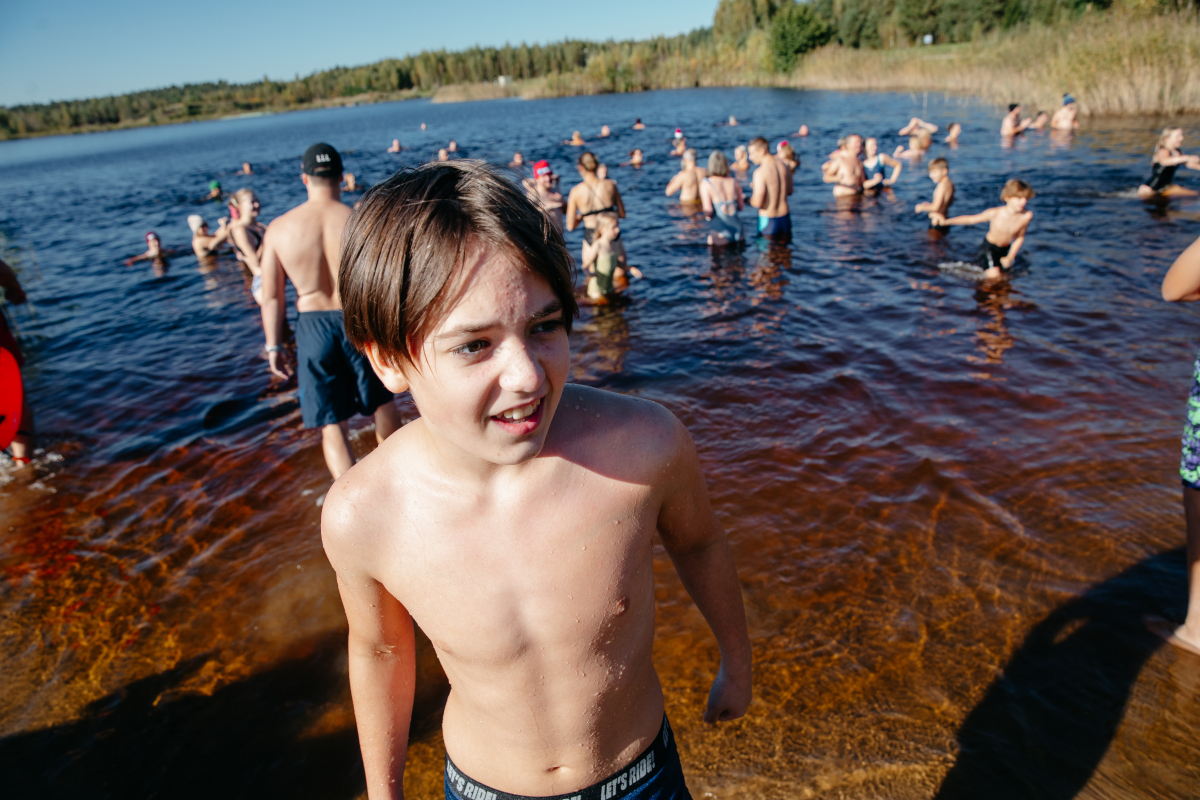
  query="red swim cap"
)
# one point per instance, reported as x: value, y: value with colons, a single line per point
x: 152, y: 235
x: 542, y: 168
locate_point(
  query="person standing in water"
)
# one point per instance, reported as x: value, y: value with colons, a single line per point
x: 722, y: 198
x: 874, y: 164
x: 952, y: 133
x: 593, y: 196
x: 246, y: 233
x: 335, y: 380
x: 1168, y: 158
x: 844, y: 169
x: 203, y: 244
x: 687, y: 180
x: 395, y: 146
x: 540, y: 190
x: 1005, y: 235
x: 943, y: 194
x: 1012, y: 124
x: 21, y: 448
x: 770, y: 184
x: 605, y: 261
x: 1182, y: 284
x: 1065, y: 118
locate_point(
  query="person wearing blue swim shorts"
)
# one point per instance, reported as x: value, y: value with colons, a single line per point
x: 336, y: 381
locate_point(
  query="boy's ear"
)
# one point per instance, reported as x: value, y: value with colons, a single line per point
x: 390, y: 375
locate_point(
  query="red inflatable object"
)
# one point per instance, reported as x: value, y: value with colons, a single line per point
x: 10, y: 398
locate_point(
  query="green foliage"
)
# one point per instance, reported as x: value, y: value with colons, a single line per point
x: 735, y: 19
x: 858, y: 24
x: 795, y: 30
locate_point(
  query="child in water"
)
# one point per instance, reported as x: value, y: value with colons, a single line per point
x: 604, y: 258
x: 1007, y: 232
x: 943, y: 193
x: 515, y: 519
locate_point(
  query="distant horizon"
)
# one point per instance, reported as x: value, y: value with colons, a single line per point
x: 111, y: 48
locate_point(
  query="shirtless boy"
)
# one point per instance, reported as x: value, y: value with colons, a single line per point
x: 335, y: 380
x: 687, y: 180
x: 1012, y: 124
x: 943, y: 193
x: 769, y: 192
x: 514, y: 520
x: 844, y: 169
x: 1007, y: 232
x: 1064, y: 119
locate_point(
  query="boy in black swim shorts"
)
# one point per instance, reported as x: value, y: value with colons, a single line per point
x: 515, y: 520
x: 1007, y: 232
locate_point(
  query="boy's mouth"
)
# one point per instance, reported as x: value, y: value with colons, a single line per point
x: 522, y: 419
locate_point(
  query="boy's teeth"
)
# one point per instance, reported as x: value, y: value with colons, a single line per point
x: 523, y: 411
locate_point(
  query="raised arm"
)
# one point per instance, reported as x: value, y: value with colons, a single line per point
x: 382, y: 655
x: 697, y: 545
x: 1182, y: 281
x: 273, y: 309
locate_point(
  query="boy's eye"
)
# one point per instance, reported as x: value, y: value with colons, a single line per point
x: 548, y: 326
x: 470, y: 348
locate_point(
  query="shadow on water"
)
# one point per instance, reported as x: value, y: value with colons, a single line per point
x: 285, y: 732
x: 1046, y: 723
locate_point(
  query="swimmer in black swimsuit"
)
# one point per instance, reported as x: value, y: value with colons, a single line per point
x: 1168, y: 158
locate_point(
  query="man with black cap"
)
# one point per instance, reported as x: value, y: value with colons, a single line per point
x: 336, y: 381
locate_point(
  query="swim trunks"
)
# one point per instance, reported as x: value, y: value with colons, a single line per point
x: 656, y: 774
x: 602, y: 281
x: 990, y: 255
x: 336, y: 381
x: 939, y: 228
x: 778, y: 228
x: 9, y: 342
x: 1189, y: 464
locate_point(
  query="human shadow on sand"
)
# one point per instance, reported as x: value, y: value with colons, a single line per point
x: 1045, y: 724
x: 285, y: 732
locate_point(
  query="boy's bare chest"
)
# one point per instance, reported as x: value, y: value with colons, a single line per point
x: 549, y: 565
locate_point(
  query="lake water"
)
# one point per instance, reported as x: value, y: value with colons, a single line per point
x: 950, y: 505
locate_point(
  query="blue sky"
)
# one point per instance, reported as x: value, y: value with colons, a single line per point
x: 67, y: 49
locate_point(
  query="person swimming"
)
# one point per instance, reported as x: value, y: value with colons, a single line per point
x: 802, y: 131
x: 452, y: 147
x: 576, y: 140
x: 518, y: 160
x: 443, y: 155
x: 636, y: 158
x: 246, y: 168
x: 1167, y: 158
x: 214, y: 191
x: 204, y: 244
x: 395, y: 148
x: 351, y: 183
x: 605, y: 132
x: 722, y: 199
x: 638, y: 125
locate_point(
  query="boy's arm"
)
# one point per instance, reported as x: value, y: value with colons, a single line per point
x: 974, y: 219
x: 1182, y: 281
x: 382, y: 658
x: 1013, y: 248
x: 697, y: 546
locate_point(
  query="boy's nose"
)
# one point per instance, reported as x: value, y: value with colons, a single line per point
x: 522, y: 372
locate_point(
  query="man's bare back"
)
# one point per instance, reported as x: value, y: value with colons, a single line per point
x: 687, y: 180
x: 305, y: 244
x: 547, y: 632
x: 769, y: 185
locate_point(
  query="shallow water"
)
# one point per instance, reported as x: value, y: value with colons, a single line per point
x: 951, y: 506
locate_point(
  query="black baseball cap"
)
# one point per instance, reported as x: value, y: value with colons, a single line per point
x: 322, y: 161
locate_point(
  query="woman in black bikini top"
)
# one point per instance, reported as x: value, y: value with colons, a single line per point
x: 584, y: 199
x: 1168, y: 158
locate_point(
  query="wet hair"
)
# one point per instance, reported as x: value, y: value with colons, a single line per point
x: 1013, y: 107
x: 587, y: 161
x: 1166, y: 134
x: 1016, y: 188
x: 939, y: 163
x: 690, y: 155
x: 786, y: 152
x: 760, y: 143
x: 408, y: 241
x: 718, y: 165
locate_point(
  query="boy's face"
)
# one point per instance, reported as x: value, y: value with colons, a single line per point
x: 1016, y: 204
x: 488, y: 379
x: 936, y: 174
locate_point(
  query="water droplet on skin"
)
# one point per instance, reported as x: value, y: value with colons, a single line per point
x: 585, y: 547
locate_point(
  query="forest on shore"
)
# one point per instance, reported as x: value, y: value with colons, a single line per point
x: 1115, y: 56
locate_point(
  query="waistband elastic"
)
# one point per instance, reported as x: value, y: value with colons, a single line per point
x: 621, y: 783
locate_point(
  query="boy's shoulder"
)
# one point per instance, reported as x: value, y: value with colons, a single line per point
x: 616, y: 434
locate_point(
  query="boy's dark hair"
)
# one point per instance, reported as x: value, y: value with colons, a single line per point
x: 1013, y: 107
x: 939, y: 163
x: 406, y: 243
x: 1016, y: 188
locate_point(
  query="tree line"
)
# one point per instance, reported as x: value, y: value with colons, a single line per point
x: 747, y: 37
